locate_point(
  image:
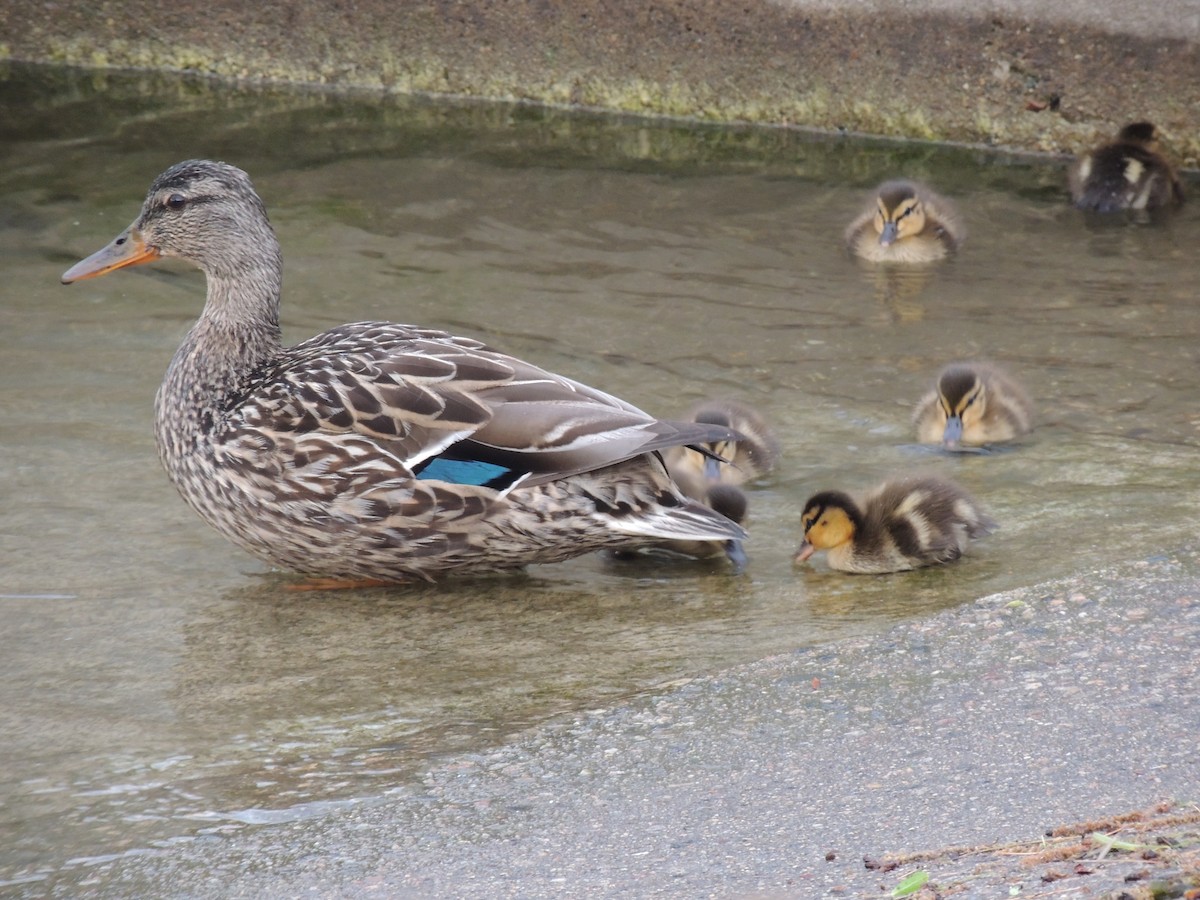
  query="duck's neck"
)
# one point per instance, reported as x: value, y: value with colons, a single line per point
x: 236, y: 335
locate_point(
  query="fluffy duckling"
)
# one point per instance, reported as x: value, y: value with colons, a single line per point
x: 755, y: 454
x: 901, y: 525
x: 713, y: 472
x: 973, y: 404
x: 1128, y: 173
x: 906, y: 223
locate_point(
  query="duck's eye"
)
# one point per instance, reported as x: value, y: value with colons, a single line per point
x: 176, y: 201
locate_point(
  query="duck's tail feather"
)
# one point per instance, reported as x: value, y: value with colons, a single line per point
x: 689, y: 521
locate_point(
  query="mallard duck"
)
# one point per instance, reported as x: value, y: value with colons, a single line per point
x: 973, y: 404
x: 906, y: 223
x: 378, y: 451
x: 903, y: 524
x: 756, y: 451
x: 1128, y: 173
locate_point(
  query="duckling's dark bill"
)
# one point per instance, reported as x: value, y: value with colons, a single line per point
x: 127, y: 249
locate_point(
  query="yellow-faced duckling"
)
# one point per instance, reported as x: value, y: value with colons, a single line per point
x: 751, y: 455
x: 1128, y: 173
x: 901, y: 525
x: 376, y: 450
x: 973, y: 404
x: 906, y: 223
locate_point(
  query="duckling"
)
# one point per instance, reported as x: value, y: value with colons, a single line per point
x: 901, y: 525
x: 906, y: 223
x: 751, y: 456
x: 1128, y: 173
x: 713, y: 472
x: 973, y: 404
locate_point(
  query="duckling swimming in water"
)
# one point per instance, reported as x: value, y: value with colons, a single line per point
x: 903, y: 524
x: 752, y: 455
x: 973, y: 404
x: 906, y: 223
x: 713, y: 473
x: 1128, y: 173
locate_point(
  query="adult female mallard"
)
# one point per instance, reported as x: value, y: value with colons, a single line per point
x: 902, y: 524
x: 1128, y: 173
x: 381, y: 451
x: 973, y: 404
x: 905, y: 223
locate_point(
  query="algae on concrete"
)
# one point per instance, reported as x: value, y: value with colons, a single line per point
x: 1008, y: 74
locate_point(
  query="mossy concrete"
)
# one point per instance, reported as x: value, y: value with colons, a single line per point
x: 1004, y: 73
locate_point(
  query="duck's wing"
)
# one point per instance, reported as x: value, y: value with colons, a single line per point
x: 555, y: 426
x: 451, y: 409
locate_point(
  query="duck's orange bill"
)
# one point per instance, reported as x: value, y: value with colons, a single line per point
x: 806, y: 550
x: 126, y: 249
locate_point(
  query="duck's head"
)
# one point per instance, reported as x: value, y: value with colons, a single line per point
x: 751, y: 449
x: 755, y: 450
x: 710, y: 466
x: 830, y: 520
x: 1143, y: 133
x: 729, y: 501
x: 205, y: 212
x: 899, y: 212
x: 962, y: 396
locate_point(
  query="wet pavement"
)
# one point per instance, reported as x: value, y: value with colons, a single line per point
x: 989, y: 723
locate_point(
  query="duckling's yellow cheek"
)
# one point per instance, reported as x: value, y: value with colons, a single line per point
x: 829, y: 531
x: 972, y: 412
x: 913, y: 223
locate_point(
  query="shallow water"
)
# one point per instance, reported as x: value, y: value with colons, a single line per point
x: 161, y: 685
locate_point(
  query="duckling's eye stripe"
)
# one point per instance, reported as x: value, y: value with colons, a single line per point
x: 812, y: 520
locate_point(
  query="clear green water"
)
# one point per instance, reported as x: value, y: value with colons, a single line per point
x: 159, y: 684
